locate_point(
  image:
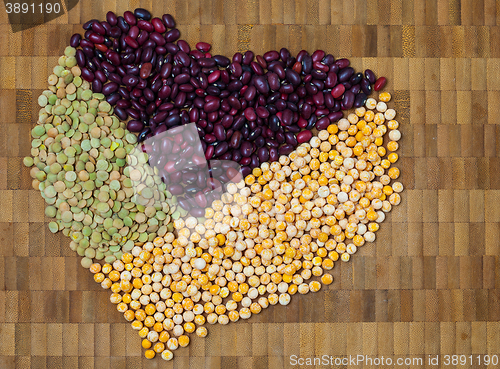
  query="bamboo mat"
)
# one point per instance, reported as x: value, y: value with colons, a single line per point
x: 429, y: 285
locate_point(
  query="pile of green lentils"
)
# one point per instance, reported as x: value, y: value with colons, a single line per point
x: 81, y: 159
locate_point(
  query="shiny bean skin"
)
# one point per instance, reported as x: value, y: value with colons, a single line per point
x: 379, y: 83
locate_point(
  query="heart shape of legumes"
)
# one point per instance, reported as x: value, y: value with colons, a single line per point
x: 241, y: 184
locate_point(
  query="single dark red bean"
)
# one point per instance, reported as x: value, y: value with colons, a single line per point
x: 256, y: 68
x: 345, y: 74
x: 87, y: 74
x: 335, y: 116
x: 355, y: 89
x: 158, y: 25
x: 287, y: 117
x: 271, y: 56
x: 366, y: 86
x: 338, y: 91
x: 182, y: 78
x: 145, y: 70
x: 96, y: 38
x: 134, y: 32
x: 356, y: 78
x: 320, y: 66
x: 379, y: 83
x: 145, y: 26
x: 130, y: 18
x: 98, y: 28
x: 184, y: 58
x: 173, y: 120
x: 319, y: 99
x: 80, y: 58
x: 203, y: 47
x: 293, y: 77
x: 360, y: 100
x: 168, y: 20
x: 307, y: 64
x: 322, y: 123
x: 212, y: 105
x: 246, y: 149
x: 142, y: 13
x: 317, y: 56
x: 75, y: 40
x: 96, y: 85
x: 99, y: 74
x: 278, y: 69
x: 172, y: 35
x: 207, y: 62
x: 262, y: 62
x: 111, y: 18
x: 304, y: 136
x: 123, y: 24
x: 342, y: 63
x: 250, y: 93
x: 348, y: 100
x: 135, y: 126
x: 250, y: 114
x: 88, y: 25
x: 131, y: 42
x: 262, y: 112
x: 287, y: 149
x: 221, y: 148
x: 370, y: 76
x: 219, y: 132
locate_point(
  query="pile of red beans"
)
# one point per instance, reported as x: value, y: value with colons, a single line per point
x: 250, y: 109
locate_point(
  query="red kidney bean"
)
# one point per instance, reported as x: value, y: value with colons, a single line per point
x: 366, y: 86
x: 360, y: 100
x: 134, y: 32
x: 130, y: 18
x: 355, y: 89
x: 80, y: 58
x: 145, y: 26
x: 246, y: 149
x: 158, y: 39
x: 338, y: 91
x: 135, y: 126
x: 347, y: 101
x: 221, y: 148
x: 322, y: 123
x: 168, y: 20
x: 75, y: 40
x: 212, y: 105
x: 345, y: 74
x: 158, y: 25
x: 96, y: 85
x: 370, y: 76
x: 123, y: 24
x: 379, y: 83
x: 290, y: 139
x: 131, y: 42
x: 87, y: 74
x: 321, y: 67
x: 318, y: 55
x: 219, y: 132
x: 111, y: 18
x: 356, y: 78
x: 250, y: 93
x: 307, y: 64
x: 304, y: 136
x: 98, y: 28
x: 88, y: 25
x: 319, y: 98
x: 287, y: 117
x: 96, y: 38
x: 141, y: 13
x: 203, y: 47
x: 145, y: 70
x: 172, y: 35
x: 342, y: 63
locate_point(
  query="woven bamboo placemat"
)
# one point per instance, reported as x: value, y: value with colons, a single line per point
x: 428, y: 286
